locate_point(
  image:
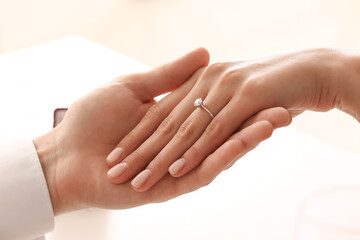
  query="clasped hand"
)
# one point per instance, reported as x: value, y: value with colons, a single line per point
x: 73, y: 154
x: 170, y: 147
x: 175, y: 137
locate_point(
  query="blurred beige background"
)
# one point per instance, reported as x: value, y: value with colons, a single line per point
x: 155, y: 31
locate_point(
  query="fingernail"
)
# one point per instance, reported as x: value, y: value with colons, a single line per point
x: 118, y: 170
x: 141, y: 178
x: 177, y: 166
x: 115, y: 155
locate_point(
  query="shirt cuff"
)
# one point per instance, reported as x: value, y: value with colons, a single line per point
x: 25, y: 204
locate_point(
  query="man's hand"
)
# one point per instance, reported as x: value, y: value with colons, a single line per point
x: 73, y: 154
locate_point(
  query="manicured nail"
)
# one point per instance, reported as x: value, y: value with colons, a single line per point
x: 118, y: 170
x: 177, y: 166
x: 115, y: 155
x: 141, y: 178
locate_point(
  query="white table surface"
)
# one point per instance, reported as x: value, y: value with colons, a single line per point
x: 258, y: 198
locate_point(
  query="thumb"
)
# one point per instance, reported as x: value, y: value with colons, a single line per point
x: 170, y: 76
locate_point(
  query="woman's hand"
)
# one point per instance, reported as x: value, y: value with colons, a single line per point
x: 177, y: 139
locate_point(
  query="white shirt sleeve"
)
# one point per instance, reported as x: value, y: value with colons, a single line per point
x: 25, y: 205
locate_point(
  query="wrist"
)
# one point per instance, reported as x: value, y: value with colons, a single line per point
x: 46, y: 150
x: 337, y: 85
x: 349, y: 85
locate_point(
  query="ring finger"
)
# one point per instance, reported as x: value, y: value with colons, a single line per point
x: 185, y: 137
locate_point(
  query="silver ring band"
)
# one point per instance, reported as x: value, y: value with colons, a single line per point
x: 199, y: 103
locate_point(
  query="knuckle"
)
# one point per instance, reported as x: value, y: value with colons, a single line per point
x: 166, y: 127
x: 185, y: 131
x: 126, y: 79
x: 241, y: 145
x: 128, y: 142
x: 251, y: 87
x: 155, y: 112
x: 215, y: 69
x: 167, y: 73
x: 158, y: 165
x: 203, y: 179
x: 207, y: 182
x: 214, y: 130
x: 194, y: 154
x: 135, y: 157
x: 231, y: 76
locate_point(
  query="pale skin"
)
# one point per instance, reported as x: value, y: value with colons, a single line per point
x: 72, y: 155
x: 178, y: 142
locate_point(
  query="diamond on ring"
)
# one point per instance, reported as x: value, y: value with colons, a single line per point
x: 199, y: 103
